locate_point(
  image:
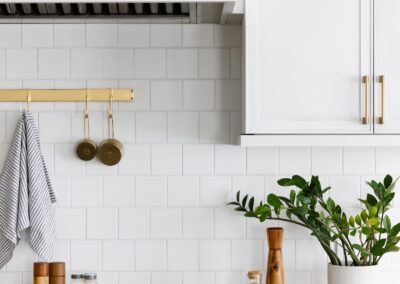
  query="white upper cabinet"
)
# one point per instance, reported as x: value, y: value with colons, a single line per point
x: 308, y: 66
x: 387, y: 66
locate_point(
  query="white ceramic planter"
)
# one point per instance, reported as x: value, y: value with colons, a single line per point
x: 356, y: 275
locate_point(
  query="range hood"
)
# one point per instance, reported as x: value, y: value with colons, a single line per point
x: 92, y: 10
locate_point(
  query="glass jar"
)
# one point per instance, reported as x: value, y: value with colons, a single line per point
x: 90, y: 278
x: 77, y: 279
x: 254, y: 277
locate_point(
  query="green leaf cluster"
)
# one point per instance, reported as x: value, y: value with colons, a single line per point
x: 363, y: 238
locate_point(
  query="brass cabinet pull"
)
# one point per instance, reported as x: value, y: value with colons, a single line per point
x: 365, y: 119
x: 382, y: 81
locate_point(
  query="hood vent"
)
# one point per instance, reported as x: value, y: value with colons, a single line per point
x: 89, y: 10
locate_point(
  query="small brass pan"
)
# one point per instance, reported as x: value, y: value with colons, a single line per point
x: 111, y: 150
x: 86, y: 148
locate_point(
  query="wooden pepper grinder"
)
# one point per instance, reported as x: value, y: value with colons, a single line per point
x: 275, y: 274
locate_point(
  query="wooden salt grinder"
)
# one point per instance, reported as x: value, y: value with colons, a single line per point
x: 275, y: 274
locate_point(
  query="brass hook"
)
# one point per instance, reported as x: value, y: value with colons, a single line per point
x: 28, y: 99
x: 110, y: 115
x: 110, y: 109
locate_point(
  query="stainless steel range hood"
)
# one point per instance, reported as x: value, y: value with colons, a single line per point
x: 93, y: 10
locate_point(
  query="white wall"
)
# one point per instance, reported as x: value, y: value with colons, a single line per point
x: 159, y: 216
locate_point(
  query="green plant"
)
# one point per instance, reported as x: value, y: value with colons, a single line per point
x: 363, y: 238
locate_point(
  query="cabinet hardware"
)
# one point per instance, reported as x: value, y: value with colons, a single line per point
x: 382, y: 81
x: 365, y: 119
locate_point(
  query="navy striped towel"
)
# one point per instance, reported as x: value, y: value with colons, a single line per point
x: 26, y: 195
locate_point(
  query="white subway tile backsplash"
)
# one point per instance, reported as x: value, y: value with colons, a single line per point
x: 198, y: 35
x: 10, y: 35
x: 150, y: 63
x: 294, y: 160
x: 136, y: 159
x: 232, y: 277
x: 214, y: 63
x: 182, y: 255
x: 21, y: 64
x: 69, y: 35
x: 37, y: 35
x: 198, y: 278
x: 166, y: 223
x: 183, y: 191
x: 71, y: 223
x: 228, y: 35
x: 227, y: 95
x: 53, y: 63
x: 86, y: 63
x: 134, y: 223
x: 165, y: 35
x: 230, y: 159
x: 326, y: 161
x: 118, y: 63
x: 134, y: 277
x: 358, y: 161
x: 236, y: 64
x: 198, y: 223
x: 150, y: 255
x: 137, y: 35
x: 262, y: 160
x: 166, y: 278
x: 118, y: 191
x: 118, y: 256
x: 345, y: 190
x: 166, y: 159
x: 101, y: 35
x: 183, y: 127
x: 102, y: 223
x: 182, y: 63
x: 66, y: 162
x: 228, y: 224
x: 150, y: 191
x: 142, y: 101
x: 214, y: 255
x: 387, y: 160
x: 2, y: 64
x: 198, y: 95
x: 214, y: 127
x: 215, y: 191
x: 151, y: 127
x: 198, y: 159
x: 86, y: 191
x: 247, y: 255
x: 166, y: 95
x: 86, y: 256
x: 307, y: 261
x: 50, y: 125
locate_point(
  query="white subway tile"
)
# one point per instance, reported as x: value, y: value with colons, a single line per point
x: 86, y: 191
x: 86, y: 63
x: 228, y: 35
x: 230, y: 159
x: 232, y: 277
x: 253, y: 186
x: 198, y: 159
x: 150, y: 256
x: 166, y: 278
x: 21, y: 64
x: 118, y: 256
x: 247, y: 254
x: 215, y: 255
x: 215, y: 191
x: 183, y: 127
x: 298, y: 277
x: 37, y: 35
x: 10, y: 35
x: 69, y: 35
x: 345, y: 190
x: 2, y: 64
x: 141, y: 89
x: 182, y: 255
x: 61, y: 186
x: 66, y: 162
x: 53, y: 63
x: 166, y: 223
x: 134, y: 223
x: 134, y: 277
x: 107, y: 277
x: 182, y: 63
x: 183, y: 191
x: 124, y: 126
x: 357, y: 161
x: 288, y: 253
x: 86, y: 256
x: 102, y: 223
x: 236, y: 63
x: 214, y: 127
x: 228, y: 95
x: 198, y: 223
x: 101, y: 35
x: 118, y: 191
x: 136, y: 159
x: 198, y: 278
x: 229, y: 224
x: 166, y: 159
x: 150, y: 63
x: 137, y: 35
x: 262, y: 160
x: 71, y: 223
x: 319, y: 277
x: 166, y: 95
x: 118, y: 63
x: 150, y: 191
x: 11, y: 277
x: 50, y: 125
x: 165, y: 35
x: 294, y: 160
x: 151, y: 127
x: 198, y: 95
x: 387, y: 161
x: 62, y: 252
x: 307, y: 261
x: 236, y: 126
x: 214, y: 63
x: 326, y: 161
x: 198, y: 35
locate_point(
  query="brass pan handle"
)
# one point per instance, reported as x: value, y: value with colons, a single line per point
x: 382, y: 81
x: 365, y: 119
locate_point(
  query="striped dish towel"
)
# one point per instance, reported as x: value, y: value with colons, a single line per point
x: 26, y: 195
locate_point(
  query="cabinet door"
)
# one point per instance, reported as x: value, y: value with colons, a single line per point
x: 305, y: 63
x: 387, y: 66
